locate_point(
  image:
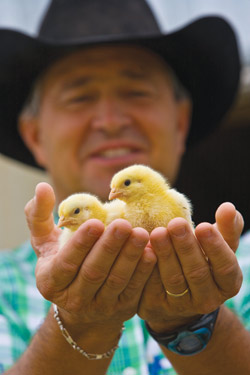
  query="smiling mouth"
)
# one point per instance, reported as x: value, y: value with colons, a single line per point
x: 115, y: 153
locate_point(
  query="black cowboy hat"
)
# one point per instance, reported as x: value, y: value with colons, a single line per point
x: 203, y: 54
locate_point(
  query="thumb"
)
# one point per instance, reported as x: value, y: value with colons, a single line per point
x: 230, y: 223
x: 39, y: 211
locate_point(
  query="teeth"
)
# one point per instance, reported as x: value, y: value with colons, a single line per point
x: 116, y: 152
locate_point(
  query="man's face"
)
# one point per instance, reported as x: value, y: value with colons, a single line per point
x: 105, y: 108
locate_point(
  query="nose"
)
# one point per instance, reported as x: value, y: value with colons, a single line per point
x: 110, y: 116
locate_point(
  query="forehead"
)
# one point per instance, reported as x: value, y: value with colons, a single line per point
x: 130, y: 61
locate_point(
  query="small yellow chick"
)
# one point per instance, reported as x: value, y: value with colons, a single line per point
x: 75, y: 210
x: 150, y: 202
x: 80, y: 207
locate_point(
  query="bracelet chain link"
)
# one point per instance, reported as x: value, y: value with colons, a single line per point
x: 75, y: 346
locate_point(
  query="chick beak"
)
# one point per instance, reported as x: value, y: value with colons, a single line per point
x: 114, y: 193
x: 64, y: 222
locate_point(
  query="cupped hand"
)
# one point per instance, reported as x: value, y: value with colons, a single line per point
x: 99, y: 274
x: 201, y: 262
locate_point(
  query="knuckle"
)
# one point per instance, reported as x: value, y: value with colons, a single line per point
x: 238, y: 284
x: 186, y: 246
x: 228, y: 269
x: 132, y: 256
x: 81, y: 244
x: 134, y: 285
x: 109, y: 248
x: 199, y: 274
x: 176, y: 280
x: 115, y: 281
x: 27, y: 208
x: 92, y: 275
x: 46, y: 289
x: 68, y: 268
x: 234, y: 289
x: 164, y: 254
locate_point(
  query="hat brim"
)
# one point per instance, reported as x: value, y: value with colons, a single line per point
x: 203, y: 54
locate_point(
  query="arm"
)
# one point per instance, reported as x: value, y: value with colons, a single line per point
x: 211, y: 280
x: 96, y: 281
x: 226, y: 353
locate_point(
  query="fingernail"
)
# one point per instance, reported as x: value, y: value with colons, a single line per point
x: 179, y: 231
x: 138, y: 242
x: 94, y: 232
x: 207, y: 232
x: 120, y: 234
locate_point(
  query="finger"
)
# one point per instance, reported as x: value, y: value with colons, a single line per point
x: 194, y: 264
x: 169, y: 266
x: 226, y: 271
x: 125, y: 265
x: 230, y: 223
x: 154, y: 289
x: 39, y: 210
x: 71, y: 256
x: 97, y: 265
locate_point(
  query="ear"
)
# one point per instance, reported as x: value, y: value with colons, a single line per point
x: 29, y: 131
x: 183, y: 122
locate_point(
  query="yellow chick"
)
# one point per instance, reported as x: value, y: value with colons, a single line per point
x: 150, y: 202
x: 80, y: 207
x: 75, y: 210
x: 114, y: 210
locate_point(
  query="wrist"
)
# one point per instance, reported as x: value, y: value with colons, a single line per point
x: 89, y: 340
x: 189, y: 339
x: 171, y: 325
x: 79, y: 327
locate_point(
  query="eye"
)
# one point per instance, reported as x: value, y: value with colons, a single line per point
x: 77, y: 211
x: 127, y: 182
x: 136, y: 93
x: 82, y: 98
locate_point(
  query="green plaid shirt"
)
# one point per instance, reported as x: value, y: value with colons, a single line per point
x: 22, y: 311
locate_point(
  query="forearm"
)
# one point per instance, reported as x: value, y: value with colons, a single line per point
x: 50, y: 353
x: 226, y: 353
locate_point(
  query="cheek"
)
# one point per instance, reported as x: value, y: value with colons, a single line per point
x: 161, y: 130
x: 165, y: 149
x: 60, y: 132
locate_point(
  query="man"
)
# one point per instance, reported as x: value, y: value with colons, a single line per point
x: 100, y: 103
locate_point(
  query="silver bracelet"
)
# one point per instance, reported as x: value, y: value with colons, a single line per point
x: 74, y: 345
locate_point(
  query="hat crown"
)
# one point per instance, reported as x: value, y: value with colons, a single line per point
x: 74, y: 19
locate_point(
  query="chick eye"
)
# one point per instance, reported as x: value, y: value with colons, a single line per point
x: 127, y: 182
x: 77, y: 211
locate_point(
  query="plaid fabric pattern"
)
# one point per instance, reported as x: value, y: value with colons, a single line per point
x: 240, y: 304
x: 22, y: 311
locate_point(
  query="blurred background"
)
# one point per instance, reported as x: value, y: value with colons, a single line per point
x: 213, y: 171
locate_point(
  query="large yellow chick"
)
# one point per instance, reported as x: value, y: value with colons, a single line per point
x: 150, y: 202
x: 80, y: 207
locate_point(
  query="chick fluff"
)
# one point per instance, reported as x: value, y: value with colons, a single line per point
x: 80, y: 207
x: 149, y: 200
